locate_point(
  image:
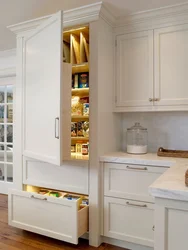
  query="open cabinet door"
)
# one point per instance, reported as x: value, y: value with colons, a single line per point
x: 43, y: 75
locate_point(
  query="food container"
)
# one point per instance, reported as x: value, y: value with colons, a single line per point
x: 137, y: 139
x: 85, y: 149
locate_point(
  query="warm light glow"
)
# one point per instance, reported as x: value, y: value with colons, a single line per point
x: 68, y: 31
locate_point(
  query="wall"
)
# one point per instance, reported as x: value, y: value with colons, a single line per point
x: 165, y: 129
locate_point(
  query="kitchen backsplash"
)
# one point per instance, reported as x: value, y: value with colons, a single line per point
x: 165, y: 129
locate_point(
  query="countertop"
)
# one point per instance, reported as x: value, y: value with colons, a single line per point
x: 170, y: 185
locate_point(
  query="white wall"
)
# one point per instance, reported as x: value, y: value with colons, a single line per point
x: 165, y: 129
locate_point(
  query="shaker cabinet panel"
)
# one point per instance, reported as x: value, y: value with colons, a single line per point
x: 43, y: 92
x: 171, y: 63
x: 134, y: 69
x: 129, y: 220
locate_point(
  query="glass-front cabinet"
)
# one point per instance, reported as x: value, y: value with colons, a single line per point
x: 6, y: 130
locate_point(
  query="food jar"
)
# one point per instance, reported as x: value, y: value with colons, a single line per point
x: 137, y: 139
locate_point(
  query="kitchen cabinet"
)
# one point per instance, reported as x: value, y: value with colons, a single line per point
x: 48, y: 215
x: 53, y: 53
x: 151, y: 72
x: 128, y: 209
x: 129, y: 220
x: 171, y: 219
x: 134, y: 69
x: 130, y: 181
x: 171, y: 60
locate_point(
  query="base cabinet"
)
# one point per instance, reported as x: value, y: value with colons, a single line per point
x: 171, y: 222
x: 53, y: 217
x: 129, y: 220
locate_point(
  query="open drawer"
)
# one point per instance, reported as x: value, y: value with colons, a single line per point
x: 50, y: 216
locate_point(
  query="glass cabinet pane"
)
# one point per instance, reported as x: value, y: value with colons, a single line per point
x: 2, y: 136
x: 9, y: 173
x: 10, y: 113
x: 9, y: 94
x: 2, y: 94
x: 2, y: 178
x: 2, y: 153
x: 9, y: 153
x: 9, y: 133
x: 2, y: 113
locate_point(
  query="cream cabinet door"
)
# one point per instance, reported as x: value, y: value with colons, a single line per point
x: 134, y: 69
x: 129, y: 220
x: 43, y: 92
x: 171, y: 64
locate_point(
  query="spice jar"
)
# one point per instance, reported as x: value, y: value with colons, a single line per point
x: 84, y: 149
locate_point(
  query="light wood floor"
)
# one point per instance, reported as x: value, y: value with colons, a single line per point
x: 16, y: 239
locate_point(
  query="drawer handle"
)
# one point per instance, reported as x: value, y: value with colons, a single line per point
x: 143, y: 169
x: 43, y: 199
x: 135, y: 205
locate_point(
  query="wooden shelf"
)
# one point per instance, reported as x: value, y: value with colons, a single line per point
x: 80, y: 138
x: 79, y: 68
x: 76, y: 156
x: 79, y: 118
x: 80, y: 92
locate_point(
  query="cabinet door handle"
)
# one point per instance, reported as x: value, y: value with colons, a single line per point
x: 153, y: 228
x: 135, y: 205
x: 42, y: 199
x: 150, y: 99
x: 133, y: 168
x: 156, y: 99
x: 57, y: 127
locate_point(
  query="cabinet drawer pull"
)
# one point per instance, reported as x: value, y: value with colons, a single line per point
x: 43, y: 199
x: 133, y: 168
x: 57, y: 128
x: 135, y: 205
x: 150, y: 99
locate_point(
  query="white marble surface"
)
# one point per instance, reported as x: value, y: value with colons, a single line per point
x: 170, y: 185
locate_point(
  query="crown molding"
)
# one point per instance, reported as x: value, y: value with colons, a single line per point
x: 8, y: 72
x: 160, y: 15
x: 77, y: 16
x: 7, y: 53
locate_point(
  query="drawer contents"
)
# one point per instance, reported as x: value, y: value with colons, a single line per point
x: 83, y: 200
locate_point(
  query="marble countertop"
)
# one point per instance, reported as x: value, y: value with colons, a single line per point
x: 170, y: 185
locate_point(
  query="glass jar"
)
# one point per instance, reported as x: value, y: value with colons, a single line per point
x: 137, y: 139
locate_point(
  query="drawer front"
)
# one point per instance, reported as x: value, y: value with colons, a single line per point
x: 53, y: 217
x: 127, y: 220
x: 130, y: 181
x: 69, y: 177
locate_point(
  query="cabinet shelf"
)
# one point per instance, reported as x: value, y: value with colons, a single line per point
x: 80, y: 138
x: 79, y: 68
x: 80, y: 92
x: 79, y: 118
x: 76, y: 156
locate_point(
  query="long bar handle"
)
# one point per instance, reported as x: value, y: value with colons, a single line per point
x: 56, y: 134
x: 43, y: 199
x: 133, y: 168
x: 135, y: 205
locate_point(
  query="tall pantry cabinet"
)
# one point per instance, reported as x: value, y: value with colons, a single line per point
x: 49, y: 51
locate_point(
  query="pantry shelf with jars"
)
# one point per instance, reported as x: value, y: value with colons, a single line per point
x: 76, y: 52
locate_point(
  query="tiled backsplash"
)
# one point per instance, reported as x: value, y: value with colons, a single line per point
x: 165, y: 129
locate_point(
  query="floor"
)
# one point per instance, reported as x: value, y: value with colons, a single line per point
x: 16, y: 239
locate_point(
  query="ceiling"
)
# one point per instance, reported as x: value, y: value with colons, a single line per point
x: 15, y: 11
